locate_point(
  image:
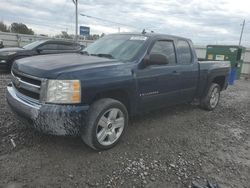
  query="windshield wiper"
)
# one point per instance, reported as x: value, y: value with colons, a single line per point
x: 103, y: 55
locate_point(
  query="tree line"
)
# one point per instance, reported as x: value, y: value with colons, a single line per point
x: 65, y: 35
x: 16, y: 28
x: 23, y: 29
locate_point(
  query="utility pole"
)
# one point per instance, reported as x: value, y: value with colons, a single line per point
x: 242, y: 30
x: 76, y: 5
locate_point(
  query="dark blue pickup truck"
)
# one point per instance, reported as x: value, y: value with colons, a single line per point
x: 92, y: 94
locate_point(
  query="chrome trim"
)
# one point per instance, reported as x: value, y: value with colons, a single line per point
x: 39, y: 89
x: 25, y: 85
x: 26, y: 75
x: 33, y: 103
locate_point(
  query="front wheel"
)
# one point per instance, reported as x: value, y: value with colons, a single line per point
x: 212, y: 97
x: 105, y: 124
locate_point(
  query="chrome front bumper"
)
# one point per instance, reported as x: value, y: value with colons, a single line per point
x: 48, y: 118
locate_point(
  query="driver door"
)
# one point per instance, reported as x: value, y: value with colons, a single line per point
x: 159, y: 85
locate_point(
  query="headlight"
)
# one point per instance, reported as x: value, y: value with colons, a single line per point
x: 63, y: 91
x: 7, y: 53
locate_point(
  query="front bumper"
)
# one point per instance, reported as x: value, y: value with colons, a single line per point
x: 48, y: 118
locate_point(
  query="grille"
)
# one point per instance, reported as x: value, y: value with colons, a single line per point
x: 27, y: 85
x: 27, y: 79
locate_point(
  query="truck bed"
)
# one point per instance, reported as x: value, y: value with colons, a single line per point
x: 208, y: 68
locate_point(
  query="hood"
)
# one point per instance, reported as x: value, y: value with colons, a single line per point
x: 11, y: 49
x: 52, y: 66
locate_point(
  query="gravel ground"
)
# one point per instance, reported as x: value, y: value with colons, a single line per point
x: 167, y: 148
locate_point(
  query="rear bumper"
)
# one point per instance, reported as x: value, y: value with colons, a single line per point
x: 48, y: 118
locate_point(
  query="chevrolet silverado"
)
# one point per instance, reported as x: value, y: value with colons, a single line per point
x: 93, y: 93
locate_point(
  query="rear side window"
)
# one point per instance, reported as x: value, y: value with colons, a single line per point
x: 49, y: 47
x: 184, y: 52
x: 165, y: 48
x: 65, y: 47
x: 68, y: 47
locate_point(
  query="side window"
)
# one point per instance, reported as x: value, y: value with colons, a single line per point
x: 184, y: 52
x: 49, y: 47
x: 68, y: 47
x: 165, y: 48
x: 63, y: 47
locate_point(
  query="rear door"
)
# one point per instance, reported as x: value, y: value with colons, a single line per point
x: 188, y: 69
x: 159, y: 85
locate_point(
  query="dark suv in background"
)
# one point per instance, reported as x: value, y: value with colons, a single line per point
x: 9, y: 55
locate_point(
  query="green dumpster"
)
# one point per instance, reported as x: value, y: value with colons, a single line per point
x: 234, y: 54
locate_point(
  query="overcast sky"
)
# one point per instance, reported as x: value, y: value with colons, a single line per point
x: 205, y: 22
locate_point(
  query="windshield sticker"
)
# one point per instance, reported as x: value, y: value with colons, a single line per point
x: 138, y: 38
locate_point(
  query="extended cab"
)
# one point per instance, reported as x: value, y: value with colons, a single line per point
x: 94, y: 93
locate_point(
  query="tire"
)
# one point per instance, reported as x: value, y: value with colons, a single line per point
x: 211, y: 99
x: 106, y: 122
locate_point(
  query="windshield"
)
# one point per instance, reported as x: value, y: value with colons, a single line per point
x: 33, y: 45
x: 121, y: 47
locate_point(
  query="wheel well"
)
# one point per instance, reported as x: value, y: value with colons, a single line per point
x: 119, y: 95
x: 220, y: 80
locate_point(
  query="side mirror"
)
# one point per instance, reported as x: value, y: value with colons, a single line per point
x: 157, y: 59
x: 39, y: 50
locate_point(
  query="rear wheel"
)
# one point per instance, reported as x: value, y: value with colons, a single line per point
x: 106, y: 123
x: 212, y: 97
